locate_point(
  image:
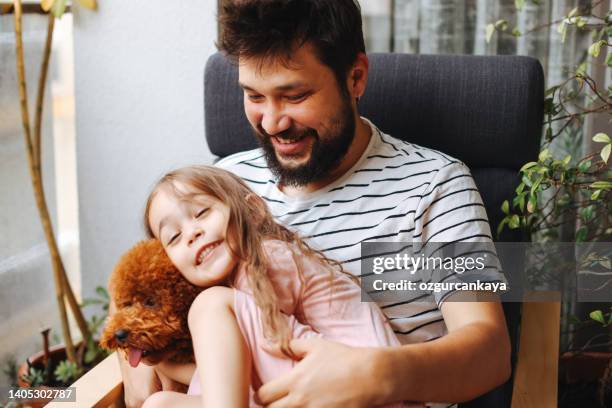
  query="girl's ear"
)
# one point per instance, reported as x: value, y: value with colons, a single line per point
x: 257, y: 207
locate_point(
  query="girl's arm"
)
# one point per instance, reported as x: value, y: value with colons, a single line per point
x: 472, y: 359
x: 222, y: 356
x: 179, y: 372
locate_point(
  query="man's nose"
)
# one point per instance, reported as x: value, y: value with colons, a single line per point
x: 274, y: 120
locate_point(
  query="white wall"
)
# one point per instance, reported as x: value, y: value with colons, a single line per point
x: 139, y: 113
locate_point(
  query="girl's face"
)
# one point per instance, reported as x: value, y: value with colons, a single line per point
x: 193, y: 233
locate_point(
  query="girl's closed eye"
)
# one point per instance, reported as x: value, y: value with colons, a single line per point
x: 173, y: 239
x: 201, y: 212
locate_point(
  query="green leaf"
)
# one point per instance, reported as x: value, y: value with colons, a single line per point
x: 567, y: 159
x: 605, y: 153
x: 573, y: 13
x: 520, y: 188
x: 505, y: 207
x: 595, y: 194
x: 501, y: 25
x: 532, y: 204
x: 585, y: 166
x: 528, y: 166
x: 581, y: 71
x: 535, y: 185
x: 551, y: 90
x: 587, y: 213
x: 562, y: 29
x: 604, y: 185
x: 489, y: 32
x: 609, y: 59
x: 581, y: 234
x: 601, y: 138
x: 598, y: 316
x: 514, y: 222
x: 580, y: 22
x: 500, y: 227
x: 102, y: 292
x: 519, y: 201
x: 527, y: 181
x: 549, y: 134
x: 516, y: 32
x: 595, y: 48
x: 544, y: 155
x: 59, y: 7
x: 519, y: 4
x: 606, y: 263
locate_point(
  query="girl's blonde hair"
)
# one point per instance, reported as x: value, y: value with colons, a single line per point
x: 250, y: 223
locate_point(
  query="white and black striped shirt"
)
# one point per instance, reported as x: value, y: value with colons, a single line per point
x: 398, y: 192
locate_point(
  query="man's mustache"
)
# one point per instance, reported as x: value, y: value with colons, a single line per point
x: 289, y: 134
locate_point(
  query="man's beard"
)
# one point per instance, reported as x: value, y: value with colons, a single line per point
x: 325, y: 155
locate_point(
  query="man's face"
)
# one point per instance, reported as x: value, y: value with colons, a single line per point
x: 303, y: 120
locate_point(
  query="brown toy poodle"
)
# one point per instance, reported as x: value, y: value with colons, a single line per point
x: 151, y: 300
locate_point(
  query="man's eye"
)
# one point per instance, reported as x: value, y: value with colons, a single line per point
x: 255, y: 98
x: 201, y: 212
x: 295, y: 98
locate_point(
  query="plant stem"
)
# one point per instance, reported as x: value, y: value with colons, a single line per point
x: 37, y: 147
x: 40, y: 94
x: 33, y: 154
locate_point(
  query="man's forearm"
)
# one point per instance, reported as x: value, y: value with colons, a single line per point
x: 457, y: 367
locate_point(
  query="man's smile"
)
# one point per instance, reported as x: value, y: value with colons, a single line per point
x: 291, y: 147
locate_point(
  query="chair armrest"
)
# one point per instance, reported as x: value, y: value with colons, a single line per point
x: 535, y: 380
x: 102, y: 386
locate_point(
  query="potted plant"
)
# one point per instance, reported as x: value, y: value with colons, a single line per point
x: 60, y: 364
x: 566, y: 196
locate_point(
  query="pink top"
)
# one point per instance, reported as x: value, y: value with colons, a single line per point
x: 324, y: 299
x: 321, y: 302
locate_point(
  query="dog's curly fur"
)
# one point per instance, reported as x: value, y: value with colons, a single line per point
x: 152, y: 301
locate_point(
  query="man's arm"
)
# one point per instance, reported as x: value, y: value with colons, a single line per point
x: 472, y: 359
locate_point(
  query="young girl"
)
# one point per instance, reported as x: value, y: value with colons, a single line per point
x: 266, y: 286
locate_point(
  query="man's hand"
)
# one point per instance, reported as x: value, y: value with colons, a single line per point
x: 328, y: 375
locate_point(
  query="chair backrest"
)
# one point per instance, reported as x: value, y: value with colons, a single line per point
x: 485, y: 111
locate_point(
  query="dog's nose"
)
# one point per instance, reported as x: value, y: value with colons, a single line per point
x: 121, y: 335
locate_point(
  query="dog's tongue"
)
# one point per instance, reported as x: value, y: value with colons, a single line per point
x: 134, y: 356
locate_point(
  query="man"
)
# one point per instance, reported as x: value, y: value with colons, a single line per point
x: 339, y: 181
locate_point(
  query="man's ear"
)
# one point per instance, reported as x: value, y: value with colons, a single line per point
x: 257, y: 207
x: 358, y: 76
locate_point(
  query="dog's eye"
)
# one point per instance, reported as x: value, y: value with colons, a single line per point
x: 126, y: 304
x: 149, y: 302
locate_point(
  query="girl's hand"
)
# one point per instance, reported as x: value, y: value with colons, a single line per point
x: 329, y: 374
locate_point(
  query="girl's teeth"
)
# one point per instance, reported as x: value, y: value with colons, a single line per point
x: 206, y: 252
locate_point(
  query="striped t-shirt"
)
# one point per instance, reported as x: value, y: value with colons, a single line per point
x: 397, y: 192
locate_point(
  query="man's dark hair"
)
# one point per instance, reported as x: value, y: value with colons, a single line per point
x: 272, y: 29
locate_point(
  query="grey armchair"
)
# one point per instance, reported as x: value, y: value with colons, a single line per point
x: 485, y: 111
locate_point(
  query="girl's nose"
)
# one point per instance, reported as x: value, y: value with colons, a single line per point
x: 196, y: 234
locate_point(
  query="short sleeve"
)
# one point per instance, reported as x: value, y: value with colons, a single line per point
x: 451, y: 222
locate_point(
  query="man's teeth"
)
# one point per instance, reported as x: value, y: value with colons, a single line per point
x: 206, y: 252
x: 288, y: 141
